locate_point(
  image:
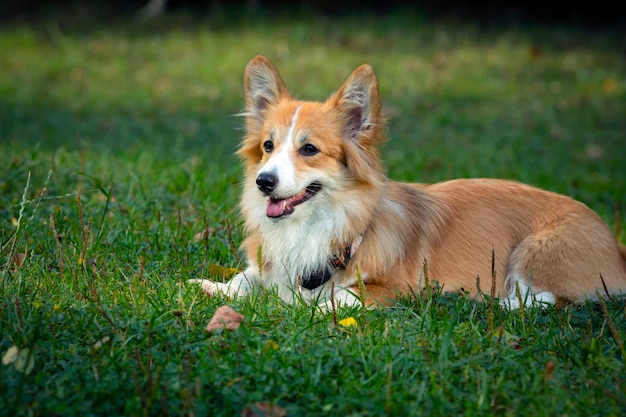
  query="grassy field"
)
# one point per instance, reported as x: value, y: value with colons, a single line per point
x: 118, y: 183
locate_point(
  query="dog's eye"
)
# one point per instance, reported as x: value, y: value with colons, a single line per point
x: 308, y: 150
x: 268, y: 146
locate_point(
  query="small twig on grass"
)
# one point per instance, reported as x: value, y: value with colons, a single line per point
x: 518, y: 294
x: 492, y: 293
x: 141, y: 270
x: 83, y: 253
x: 44, y: 190
x: 79, y: 204
x: 500, y: 333
x: 103, y: 272
x: 606, y: 290
x: 106, y: 316
x: 57, y: 238
x: 83, y: 160
x: 94, y: 290
x: 332, y: 303
x: 110, y: 197
x: 13, y: 238
x: 231, y: 243
x: 414, y: 294
x: 612, y: 327
x: 426, y: 280
x: 360, y: 286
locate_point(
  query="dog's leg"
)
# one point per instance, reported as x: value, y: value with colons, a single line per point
x: 526, y: 296
x: 375, y: 296
x: 239, y: 286
x: 344, y: 297
x: 572, y: 258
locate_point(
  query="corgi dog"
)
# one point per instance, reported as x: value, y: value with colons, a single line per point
x: 321, y: 216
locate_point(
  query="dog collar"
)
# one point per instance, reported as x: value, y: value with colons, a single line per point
x: 336, y: 261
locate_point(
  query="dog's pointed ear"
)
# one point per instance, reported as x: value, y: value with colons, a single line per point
x: 359, y: 101
x: 263, y: 87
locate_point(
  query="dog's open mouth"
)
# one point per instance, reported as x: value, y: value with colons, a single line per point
x: 277, y: 208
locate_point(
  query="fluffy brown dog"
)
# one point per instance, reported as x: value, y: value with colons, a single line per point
x: 317, y: 206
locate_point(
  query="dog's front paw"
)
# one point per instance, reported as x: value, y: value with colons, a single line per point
x: 208, y: 287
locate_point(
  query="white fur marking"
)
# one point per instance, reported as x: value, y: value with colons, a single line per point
x: 282, y: 165
x: 290, y: 139
x: 529, y: 297
x: 343, y: 298
x: 240, y: 285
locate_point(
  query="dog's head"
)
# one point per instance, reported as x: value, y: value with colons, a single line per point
x: 298, y: 151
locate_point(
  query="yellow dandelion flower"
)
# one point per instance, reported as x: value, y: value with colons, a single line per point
x: 347, y: 322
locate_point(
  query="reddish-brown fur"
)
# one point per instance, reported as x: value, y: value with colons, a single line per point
x: 552, y: 242
x: 559, y: 243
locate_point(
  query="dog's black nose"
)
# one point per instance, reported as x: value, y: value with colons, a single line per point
x: 266, y: 182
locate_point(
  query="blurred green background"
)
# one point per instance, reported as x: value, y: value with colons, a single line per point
x: 522, y: 96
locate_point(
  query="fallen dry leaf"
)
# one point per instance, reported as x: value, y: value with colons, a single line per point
x: 263, y: 410
x: 224, y: 318
x: 18, y: 260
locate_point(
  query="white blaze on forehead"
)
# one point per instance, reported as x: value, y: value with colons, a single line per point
x: 281, y: 164
x: 290, y: 139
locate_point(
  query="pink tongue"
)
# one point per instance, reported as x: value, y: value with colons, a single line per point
x: 283, y: 207
x: 277, y: 208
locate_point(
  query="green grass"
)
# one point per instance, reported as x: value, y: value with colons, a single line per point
x: 116, y: 150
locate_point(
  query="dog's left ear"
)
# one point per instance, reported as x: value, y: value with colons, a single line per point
x: 359, y: 101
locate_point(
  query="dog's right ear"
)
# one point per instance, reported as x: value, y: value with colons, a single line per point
x: 263, y: 87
